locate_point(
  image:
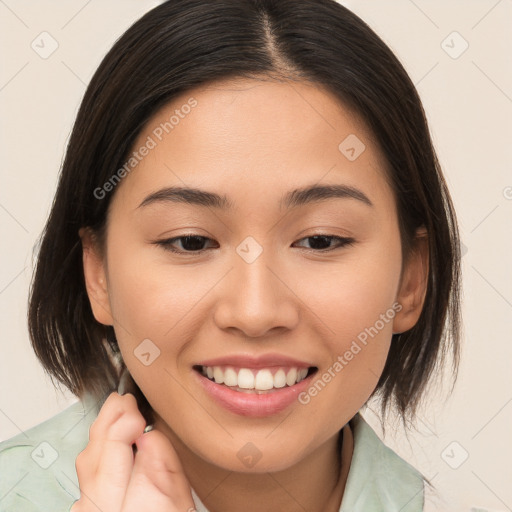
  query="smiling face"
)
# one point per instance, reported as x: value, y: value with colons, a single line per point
x: 270, y: 282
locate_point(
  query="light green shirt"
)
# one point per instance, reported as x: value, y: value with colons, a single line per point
x: 37, y: 468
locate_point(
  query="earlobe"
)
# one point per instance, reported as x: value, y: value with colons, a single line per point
x: 413, y: 285
x: 95, y: 277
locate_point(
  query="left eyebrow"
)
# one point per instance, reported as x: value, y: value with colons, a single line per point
x: 292, y: 199
x: 317, y: 193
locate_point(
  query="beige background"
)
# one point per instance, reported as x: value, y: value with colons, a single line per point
x: 468, y: 100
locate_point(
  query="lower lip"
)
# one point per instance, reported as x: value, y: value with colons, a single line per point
x: 253, y: 404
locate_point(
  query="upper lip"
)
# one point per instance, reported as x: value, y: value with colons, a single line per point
x: 251, y: 361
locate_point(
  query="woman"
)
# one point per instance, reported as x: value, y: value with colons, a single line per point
x: 250, y: 238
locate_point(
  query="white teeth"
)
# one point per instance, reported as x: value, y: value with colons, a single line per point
x: 245, y: 379
x: 291, y: 377
x: 301, y: 374
x: 230, y: 377
x: 218, y: 375
x: 264, y: 380
x: 280, y: 379
x: 261, y: 380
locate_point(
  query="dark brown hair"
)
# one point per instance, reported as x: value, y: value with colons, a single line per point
x: 182, y: 44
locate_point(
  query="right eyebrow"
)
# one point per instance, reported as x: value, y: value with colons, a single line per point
x: 188, y: 195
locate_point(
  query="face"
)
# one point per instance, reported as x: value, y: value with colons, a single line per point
x: 260, y: 287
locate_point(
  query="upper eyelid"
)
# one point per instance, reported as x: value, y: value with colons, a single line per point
x: 187, y: 235
x: 167, y: 241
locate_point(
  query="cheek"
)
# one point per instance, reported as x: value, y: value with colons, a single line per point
x: 360, y: 319
x: 154, y: 302
x: 150, y: 299
x: 357, y: 304
x: 351, y: 297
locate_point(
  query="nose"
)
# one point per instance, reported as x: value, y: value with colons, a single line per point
x: 256, y: 297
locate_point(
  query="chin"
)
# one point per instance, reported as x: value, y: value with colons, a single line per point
x: 252, y: 457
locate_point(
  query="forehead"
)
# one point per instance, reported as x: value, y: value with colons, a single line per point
x: 255, y: 137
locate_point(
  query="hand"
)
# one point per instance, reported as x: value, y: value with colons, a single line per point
x: 114, y: 479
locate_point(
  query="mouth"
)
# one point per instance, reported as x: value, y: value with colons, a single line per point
x: 257, y: 388
x: 255, y: 380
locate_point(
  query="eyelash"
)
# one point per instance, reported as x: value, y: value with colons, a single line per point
x: 167, y: 244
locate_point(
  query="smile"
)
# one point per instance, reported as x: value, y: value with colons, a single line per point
x: 254, y: 386
x: 251, y: 380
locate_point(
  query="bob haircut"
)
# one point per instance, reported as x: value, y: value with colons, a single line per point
x: 182, y: 44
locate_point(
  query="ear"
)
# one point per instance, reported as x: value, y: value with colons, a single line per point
x: 95, y: 277
x: 413, y: 284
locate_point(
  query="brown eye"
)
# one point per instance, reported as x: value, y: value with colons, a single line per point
x: 189, y: 244
x: 322, y: 243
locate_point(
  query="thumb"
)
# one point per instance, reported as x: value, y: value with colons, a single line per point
x: 158, y: 478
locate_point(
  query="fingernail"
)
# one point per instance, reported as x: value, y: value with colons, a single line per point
x: 149, y: 428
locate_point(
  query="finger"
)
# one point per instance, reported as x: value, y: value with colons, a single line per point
x: 105, y: 466
x: 158, y: 477
x: 106, y: 424
x: 112, y: 435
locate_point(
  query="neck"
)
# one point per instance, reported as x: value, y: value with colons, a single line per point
x: 316, y: 483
